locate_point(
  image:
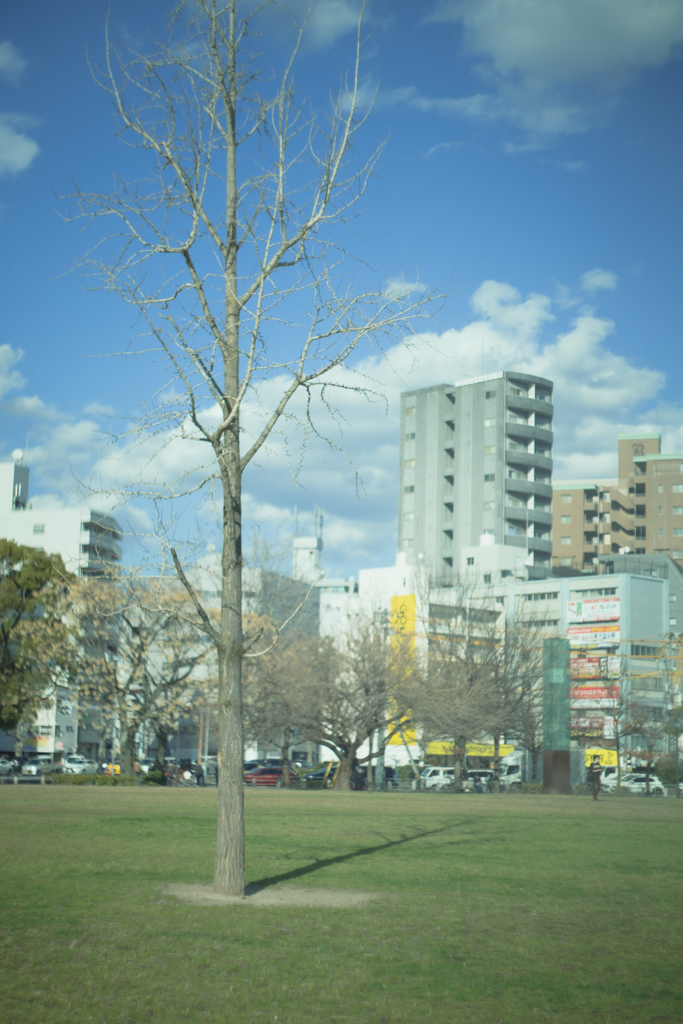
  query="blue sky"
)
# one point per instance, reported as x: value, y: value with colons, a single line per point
x: 532, y: 169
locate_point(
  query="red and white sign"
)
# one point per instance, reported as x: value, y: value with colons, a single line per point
x: 594, y: 609
x: 594, y: 692
x: 587, y: 668
x: 579, y: 722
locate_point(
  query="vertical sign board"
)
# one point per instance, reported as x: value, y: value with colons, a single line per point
x: 556, y: 716
x: 403, y: 619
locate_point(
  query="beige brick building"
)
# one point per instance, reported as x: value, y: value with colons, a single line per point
x: 640, y: 512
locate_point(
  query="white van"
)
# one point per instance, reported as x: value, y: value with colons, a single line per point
x: 437, y: 778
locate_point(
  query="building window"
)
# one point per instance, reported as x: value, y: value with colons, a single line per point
x: 39, y: 527
x: 470, y: 561
x: 660, y: 489
x: 489, y: 423
x: 565, y: 519
x: 677, y: 553
x: 566, y: 498
x: 640, y: 551
x: 678, y: 531
x: 565, y: 540
x: 604, y: 496
x: 69, y: 728
x: 489, y: 478
x: 678, y: 510
x: 515, y: 531
x: 409, y: 463
x: 490, y: 450
x: 565, y: 561
x: 410, y: 437
x: 408, y: 516
x: 410, y: 411
x: 606, y: 538
x: 672, y: 622
x: 640, y: 488
x: 660, y: 510
x: 640, y: 532
x: 490, y: 394
x: 672, y: 597
x: 489, y: 506
x: 660, y: 533
x: 408, y: 543
x: 487, y: 577
x: 514, y: 446
x: 677, y: 488
x: 408, y: 490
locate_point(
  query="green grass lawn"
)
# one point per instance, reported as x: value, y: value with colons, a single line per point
x: 497, y: 909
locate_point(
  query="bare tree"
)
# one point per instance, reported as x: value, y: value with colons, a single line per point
x: 645, y: 727
x: 142, y: 660
x: 485, y: 670
x: 229, y: 255
x: 355, y: 692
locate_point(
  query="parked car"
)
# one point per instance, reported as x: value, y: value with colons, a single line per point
x: 146, y: 765
x: 268, y: 775
x: 483, y: 775
x: 6, y: 765
x: 359, y: 777
x: 74, y: 764
x: 249, y: 766
x: 436, y: 777
x: 323, y: 777
x: 635, y: 784
x: 41, y: 764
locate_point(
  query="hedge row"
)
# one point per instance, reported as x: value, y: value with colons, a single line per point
x: 92, y: 780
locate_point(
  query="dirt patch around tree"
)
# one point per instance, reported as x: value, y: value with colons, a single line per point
x: 272, y: 896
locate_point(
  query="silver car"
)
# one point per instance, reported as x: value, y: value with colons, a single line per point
x: 40, y: 765
x: 6, y: 766
x: 635, y: 784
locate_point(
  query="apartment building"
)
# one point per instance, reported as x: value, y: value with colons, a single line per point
x: 87, y: 540
x: 475, y: 461
x: 641, y: 512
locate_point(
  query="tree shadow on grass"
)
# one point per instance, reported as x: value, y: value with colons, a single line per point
x: 326, y: 862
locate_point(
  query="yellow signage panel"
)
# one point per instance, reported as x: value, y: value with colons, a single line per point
x: 487, y: 749
x: 606, y: 756
x: 404, y: 614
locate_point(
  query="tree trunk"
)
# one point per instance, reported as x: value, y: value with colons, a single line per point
x: 285, y: 756
x: 346, y: 768
x: 128, y: 751
x: 162, y: 735
x: 496, y: 763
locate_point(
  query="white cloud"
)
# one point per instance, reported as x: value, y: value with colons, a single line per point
x: 554, y: 41
x: 594, y: 280
x: 555, y: 66
x: 598, y: 394
x: 17, y: 150
x: 11, y: 62
x: 332, y: 18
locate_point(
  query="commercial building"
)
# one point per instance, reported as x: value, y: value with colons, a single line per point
x: 641, y: 512
x: 87, y: 540
x: 475, y: 461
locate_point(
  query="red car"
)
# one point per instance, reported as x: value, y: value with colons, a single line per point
x: 268, y: 775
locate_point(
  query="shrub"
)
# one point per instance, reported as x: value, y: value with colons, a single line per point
x: 92, y: 780
x: 154, y: 778
x: 665, y: 770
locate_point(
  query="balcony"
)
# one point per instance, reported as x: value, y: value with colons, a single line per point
x: 528, y: 487
x: 522, y: 404
x: 526, y: 432
x: 528, y: 515
x: 528, y: 459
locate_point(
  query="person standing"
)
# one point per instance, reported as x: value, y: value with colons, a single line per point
x: 200, y: 775
x: 595, y: 770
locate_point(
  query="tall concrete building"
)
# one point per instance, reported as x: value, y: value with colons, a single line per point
x: 87, y: 540
x: 641, y: 512
x: 475, y: 467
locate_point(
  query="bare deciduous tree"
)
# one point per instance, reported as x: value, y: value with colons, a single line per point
x: 142, y: 658
x: 230, y: 256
